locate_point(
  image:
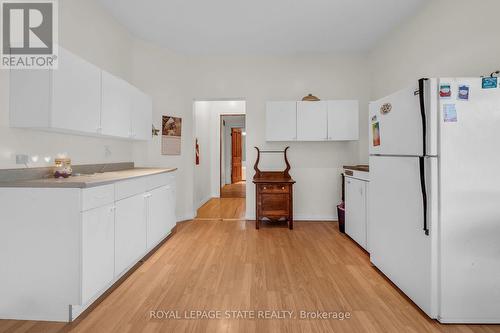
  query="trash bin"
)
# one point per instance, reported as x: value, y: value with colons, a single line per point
x: 341, y: 216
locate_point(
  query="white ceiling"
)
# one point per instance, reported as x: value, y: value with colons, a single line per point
x: 262, y: 27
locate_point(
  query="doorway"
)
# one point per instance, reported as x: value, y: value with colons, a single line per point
x: 232, y: 155
x: 219, y: 193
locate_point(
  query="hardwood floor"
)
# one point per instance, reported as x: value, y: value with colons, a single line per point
x: 227, y: 265
x: 236, y: 190
x: 224, y: 208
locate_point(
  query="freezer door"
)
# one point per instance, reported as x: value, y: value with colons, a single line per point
x: 399, y: 246
x: 470, y: 205
x: 396, y: 122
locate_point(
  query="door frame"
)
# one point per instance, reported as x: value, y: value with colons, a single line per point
x: 221, y: 133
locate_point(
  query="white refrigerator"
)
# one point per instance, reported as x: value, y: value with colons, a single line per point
x: 435, y: 196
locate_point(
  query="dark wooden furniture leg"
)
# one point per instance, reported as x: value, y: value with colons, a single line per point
x: 290, y: 212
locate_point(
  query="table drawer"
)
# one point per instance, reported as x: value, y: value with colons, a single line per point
x: 97, y: 196
x: 273, y: 188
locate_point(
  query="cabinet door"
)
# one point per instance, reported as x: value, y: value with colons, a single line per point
x: 312, y: 121
x: 33, y: 111
x: 130, y: 232
x: 281, y: 121
x: 142, y: 114
x: 98, y: 252
x: 116, y: 106
x: 355, y: 210
x: 343, y: 123
x: 76, y: 94
x: 159, y: 214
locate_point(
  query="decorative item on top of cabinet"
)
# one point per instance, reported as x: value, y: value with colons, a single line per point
x: 310, y: 98
x: 273, y: 192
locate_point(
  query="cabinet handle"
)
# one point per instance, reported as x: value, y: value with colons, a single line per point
x: 282, y: 187
x: 265, y: 188
x: 147, y: 195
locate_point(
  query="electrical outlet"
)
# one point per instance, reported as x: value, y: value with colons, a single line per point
x: 22, y: 159
x: 107, y: 151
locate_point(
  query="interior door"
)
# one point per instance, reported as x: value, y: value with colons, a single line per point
x: 76, y: 94
x: 355, y: 210
x: 236, y: 155
x: 398, y: 245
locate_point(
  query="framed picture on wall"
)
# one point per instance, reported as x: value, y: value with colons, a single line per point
x: 171, y: 132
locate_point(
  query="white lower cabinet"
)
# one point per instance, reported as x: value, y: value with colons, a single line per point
x: 355, y: 210
x: 98, y: 250
x: 161, y: 218
x: 76, y: 243
x: 130, y: 231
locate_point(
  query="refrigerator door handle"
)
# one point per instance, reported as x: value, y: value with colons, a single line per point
x: 421, y: 161
x: 421, y: 96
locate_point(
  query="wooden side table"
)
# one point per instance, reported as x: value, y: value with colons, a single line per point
x: 273, y: 192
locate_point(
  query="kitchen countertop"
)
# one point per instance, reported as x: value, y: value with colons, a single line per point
x: 359, y: 167
x: 86, y: 181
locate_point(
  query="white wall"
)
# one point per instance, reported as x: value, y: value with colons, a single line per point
x: 315, y: 166
x: 202, y: 190
x: 445, y: 38
x: 101, y: 41
x: 162, y: 75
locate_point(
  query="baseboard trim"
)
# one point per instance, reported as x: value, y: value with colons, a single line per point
x: 306, y: 218
x: 186, y: 217
x: 202, y: 202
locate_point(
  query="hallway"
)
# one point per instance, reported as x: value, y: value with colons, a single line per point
x: 223, y: 209
x: 236, y: 190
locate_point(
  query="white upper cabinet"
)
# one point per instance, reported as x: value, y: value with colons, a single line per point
x: 281, y: 121
x: 116, y: 106
x: 343, y: 120
x: 79, y: 98
x: 76, y: 94
x: 335, y: 120
x: 66, y: 99
x: 141, y: 118
x: 312, y: 121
